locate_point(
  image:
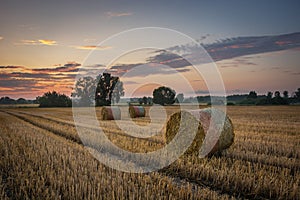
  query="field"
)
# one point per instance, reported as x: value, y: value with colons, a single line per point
x: 42, y: 157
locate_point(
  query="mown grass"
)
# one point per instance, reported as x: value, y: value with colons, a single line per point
x: 263, y: 162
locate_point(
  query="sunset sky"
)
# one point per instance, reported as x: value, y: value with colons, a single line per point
x: 44, y: 44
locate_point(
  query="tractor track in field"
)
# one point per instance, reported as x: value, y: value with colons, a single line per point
x: 71, y: 124
x: 45, y: 128
x: 294, y: 168
x: 178, y: 176
x: 178, y: 180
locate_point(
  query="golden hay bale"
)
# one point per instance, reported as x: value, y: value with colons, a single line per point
x: 137, y: 111
x: 204, y: 144
x: 110, y: 113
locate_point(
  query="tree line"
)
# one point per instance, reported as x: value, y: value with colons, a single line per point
x: 271, y: 98
x: 8, y: 100
x: 105, y: 90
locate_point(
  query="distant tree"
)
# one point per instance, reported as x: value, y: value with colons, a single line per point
x: 187, y: 100
x: 269, y: 95
x: 164, y: 95
x: 278, y: 100
x: 54, y: 99
x: 140, y: 101
x: 21, y: 101
x: 252, y: 95
x: 7, y: 100
x: 277, y: 94
x: 297, y: 94
x: 203, y: 99
x: 145, y: 100
x: 109, y: 90
x: 285, y: 94
x: 85, y: 90
x: 150, y: 100
x: 132, y: 100
x: 179, y: 98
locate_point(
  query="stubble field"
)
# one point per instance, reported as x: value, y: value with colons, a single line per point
x: 42, y: 157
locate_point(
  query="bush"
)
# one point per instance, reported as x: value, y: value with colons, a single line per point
x: 54, y: 99
x: 164, y: 95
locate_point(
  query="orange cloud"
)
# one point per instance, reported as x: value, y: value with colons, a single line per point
x: 280, y: 43
x: 48, y: 42
x: 1, y: 38
x: 27, y: 82
x: 37, y: 42
x: 28, y: 42
x: 240, y: 46
x: 93, y: 47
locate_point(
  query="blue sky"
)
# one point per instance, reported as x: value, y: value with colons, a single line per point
x: 52, y: 34
x: 230, y: 18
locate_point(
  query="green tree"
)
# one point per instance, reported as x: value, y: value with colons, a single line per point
x: 85, y: 90
x: 278, y: 100
x: 54, y: 99
x: 145, y: 100
x: 140, y: 100
x: 269, y: 95
x: 109, y: 90
x: 7, y: 100
x: 277, y: 94
x: 252, y: 95
x: 150, y: 100
x: 21, y: 101
x: 164, y: 95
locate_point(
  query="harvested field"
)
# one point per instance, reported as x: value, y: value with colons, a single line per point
x: 42, y: 157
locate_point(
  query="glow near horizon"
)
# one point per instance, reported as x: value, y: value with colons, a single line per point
x: 48, y: 35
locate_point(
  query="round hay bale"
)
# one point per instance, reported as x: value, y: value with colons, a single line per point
x: 205, y: 143
x: 110, y: 113
x: 137, y: 111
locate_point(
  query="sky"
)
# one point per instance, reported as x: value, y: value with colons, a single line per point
x: 44, y: 45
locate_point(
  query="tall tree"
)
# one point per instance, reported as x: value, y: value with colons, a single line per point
x: 85, y: 90
x: 164, y: 95
x: 109, y: 90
